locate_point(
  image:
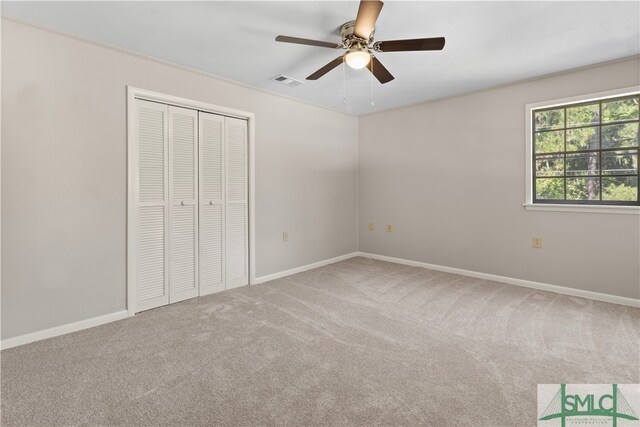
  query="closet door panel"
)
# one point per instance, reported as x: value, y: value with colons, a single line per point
x: 236, y: 245
x: 211, y: 157
x: 183, y: 244
x: 151, y: 257
x: 211, y: 249
x: 237, y: 259
x: 212, y: 233
x: 151, y: 200
x: 183, y: 193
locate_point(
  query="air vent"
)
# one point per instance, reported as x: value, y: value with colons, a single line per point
x: 287, y: 81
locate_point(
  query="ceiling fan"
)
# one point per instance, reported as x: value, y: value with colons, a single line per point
x: 357, y: 39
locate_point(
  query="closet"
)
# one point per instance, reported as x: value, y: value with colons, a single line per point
x: 190, y: 219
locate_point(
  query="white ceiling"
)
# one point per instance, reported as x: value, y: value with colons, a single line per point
x: 487, y: 43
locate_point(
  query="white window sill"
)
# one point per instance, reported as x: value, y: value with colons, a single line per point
x: 607, y: 209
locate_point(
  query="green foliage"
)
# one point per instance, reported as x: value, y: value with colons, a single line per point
x: 587, y: 188
x: 583, y: 115
x: 549, y: 119
x: 620, y: 192
x: 550, y: 188
x: 583, y: 188
x: 620, y: 189
x: 582, y: 164
x: 620, y: 135
x: 549, y: 165
x: 620, y: 162
x: 549, y: 142
x: 625, y: 109
x: 582, y: 138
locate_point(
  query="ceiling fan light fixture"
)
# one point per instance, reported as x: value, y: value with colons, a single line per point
x: 357, y: 58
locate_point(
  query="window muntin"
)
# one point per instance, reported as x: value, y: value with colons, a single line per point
x: 587, y: 153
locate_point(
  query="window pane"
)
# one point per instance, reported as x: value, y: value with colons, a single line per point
x: 583, y: 139
x: 550, y: 188
x: 620, y: 162
x: 549, y: 165
x: 549, y: 119
x: 624, y: 109
x: 583, y: 188
x: 583, y: 115
x: 622, y: 135
x: 587, y: 153
x: 620, y: 188
x: 549, y: 142
x: 582, y: 164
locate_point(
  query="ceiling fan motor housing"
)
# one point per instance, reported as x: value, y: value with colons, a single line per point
x: 350, y: 40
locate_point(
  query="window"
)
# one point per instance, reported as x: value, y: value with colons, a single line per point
x: 586, y: 152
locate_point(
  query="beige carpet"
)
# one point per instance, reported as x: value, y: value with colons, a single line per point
x: 359, y: 342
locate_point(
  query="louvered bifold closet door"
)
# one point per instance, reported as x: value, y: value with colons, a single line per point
x: 150, y: 174
x: 183, y: 196
x: 237, y: 247
x: 211, y: 138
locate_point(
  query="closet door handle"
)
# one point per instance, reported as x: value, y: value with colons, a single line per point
x: 182, y: 203
x: 211, y: 202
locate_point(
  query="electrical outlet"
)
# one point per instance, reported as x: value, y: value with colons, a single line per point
x: 285, y: 236
x: 389, y: 228
x: 370, y: 226
x: 536, y: 242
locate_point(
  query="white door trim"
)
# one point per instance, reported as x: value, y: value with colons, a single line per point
x: 134, y: 93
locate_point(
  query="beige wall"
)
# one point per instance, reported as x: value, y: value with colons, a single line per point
x: 449, y: 175
x: 64, y: 175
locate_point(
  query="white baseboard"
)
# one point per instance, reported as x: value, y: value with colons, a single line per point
x: 112, y: 317
x: 63, y: 329
x: 512, y: 281
x: 107, y: 318
x: 302, y: 268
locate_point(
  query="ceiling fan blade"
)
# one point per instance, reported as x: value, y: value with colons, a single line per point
x: 324, y: 70
x: 382, y: 74
x: 309, y: 42
x: 367, y: 16
x: 434, y: 43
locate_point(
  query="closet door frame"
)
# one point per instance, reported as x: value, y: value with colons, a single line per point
x: 134, y: 93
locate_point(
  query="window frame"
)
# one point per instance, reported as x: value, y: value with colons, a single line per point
x: 569, y: 205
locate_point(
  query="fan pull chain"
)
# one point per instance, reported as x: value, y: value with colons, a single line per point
x: 371, y: 84
x: 344, y: 82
